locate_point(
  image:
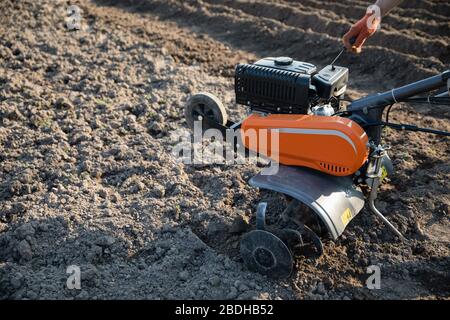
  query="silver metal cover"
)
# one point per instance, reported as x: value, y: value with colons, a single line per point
x: 335, y: 199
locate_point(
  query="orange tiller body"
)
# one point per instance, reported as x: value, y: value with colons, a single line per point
x: 335, y: 145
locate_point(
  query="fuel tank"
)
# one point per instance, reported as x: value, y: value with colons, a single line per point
x: 334, y: 145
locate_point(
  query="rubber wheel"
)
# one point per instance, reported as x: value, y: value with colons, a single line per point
x: 265, y: 253
x: 205, y: 105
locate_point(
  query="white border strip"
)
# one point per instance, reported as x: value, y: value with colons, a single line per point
x: 317, y: 132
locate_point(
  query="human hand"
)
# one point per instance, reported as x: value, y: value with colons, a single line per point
x: 360, y: 32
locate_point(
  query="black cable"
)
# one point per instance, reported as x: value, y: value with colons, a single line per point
x: 387, y: 113
x: 343, y: 112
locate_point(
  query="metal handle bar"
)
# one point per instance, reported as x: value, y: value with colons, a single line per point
x: 387, y: 98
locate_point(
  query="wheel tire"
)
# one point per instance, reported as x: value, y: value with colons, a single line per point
x: 207, y: 104
x: 265, y: 253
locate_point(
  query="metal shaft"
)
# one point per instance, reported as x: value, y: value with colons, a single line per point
x: 386, y: 221
x: 337, y: 57
x: 375, y: 183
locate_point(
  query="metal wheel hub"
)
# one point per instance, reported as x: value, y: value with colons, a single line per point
x: 264, y: 258
x: 203, y: 106
x: 265, y: 253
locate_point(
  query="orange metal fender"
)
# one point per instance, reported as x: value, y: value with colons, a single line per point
x: 335, y: 145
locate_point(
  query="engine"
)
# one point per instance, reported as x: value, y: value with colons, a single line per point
x: 286, y: 86
x: 298, y: 102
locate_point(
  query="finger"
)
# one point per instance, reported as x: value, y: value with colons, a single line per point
x: 356, y: 50
x: 360, y: 40
x: 349, y: 35
x: 357, y: 47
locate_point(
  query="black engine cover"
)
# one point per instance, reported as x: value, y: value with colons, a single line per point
x: 274, y: 85
x: 283, y: 85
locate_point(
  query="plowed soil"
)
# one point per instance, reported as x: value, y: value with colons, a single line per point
x: 87, y: 176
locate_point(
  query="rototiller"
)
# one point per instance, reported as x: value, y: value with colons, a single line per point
x: 330, y: 153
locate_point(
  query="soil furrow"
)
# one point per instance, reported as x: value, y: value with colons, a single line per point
x: 292, y: 17
x: 440, y: 6
x: 420, y: 22
x: 271, y: 37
